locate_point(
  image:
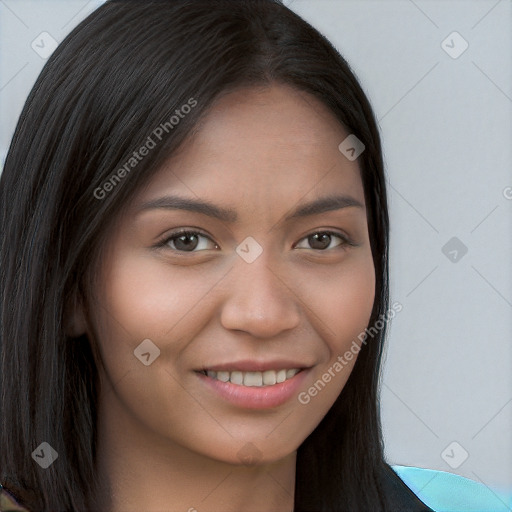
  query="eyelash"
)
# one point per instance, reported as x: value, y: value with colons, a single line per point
x: 163, y: 243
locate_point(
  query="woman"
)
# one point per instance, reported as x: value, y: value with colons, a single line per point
x: 194, y: 252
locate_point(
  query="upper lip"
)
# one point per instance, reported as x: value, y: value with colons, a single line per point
x: 248, y: 365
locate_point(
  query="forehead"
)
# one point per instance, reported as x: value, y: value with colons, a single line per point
x: 259, y: 148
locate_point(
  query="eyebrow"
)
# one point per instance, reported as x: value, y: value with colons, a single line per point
x: 321, y: 205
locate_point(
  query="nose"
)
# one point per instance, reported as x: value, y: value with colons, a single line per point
x: 259, y: 300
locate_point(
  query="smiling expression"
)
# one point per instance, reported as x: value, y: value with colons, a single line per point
x: 275, y: 274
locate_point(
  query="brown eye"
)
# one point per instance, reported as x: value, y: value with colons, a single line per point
x: 323, y: 240
x: 188, y: 241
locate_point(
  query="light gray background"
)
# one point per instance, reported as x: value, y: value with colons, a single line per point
x: 446, y: 125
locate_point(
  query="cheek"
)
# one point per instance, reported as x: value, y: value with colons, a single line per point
x: 343, y: 302
x: 352, y: 302
x: 142, y: 300
x: 341, y: 299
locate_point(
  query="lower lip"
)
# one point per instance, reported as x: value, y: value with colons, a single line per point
x: 256, y: 397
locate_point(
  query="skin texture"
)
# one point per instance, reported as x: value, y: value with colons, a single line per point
x: 165, y: 440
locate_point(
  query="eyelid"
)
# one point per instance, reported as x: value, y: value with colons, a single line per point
x: 163, y: 242
x: 346, y: 240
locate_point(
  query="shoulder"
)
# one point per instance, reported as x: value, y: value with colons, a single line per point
x: 447, y: 492
x: 8, y: 503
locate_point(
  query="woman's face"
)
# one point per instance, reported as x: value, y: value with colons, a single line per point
x: 256, y: 289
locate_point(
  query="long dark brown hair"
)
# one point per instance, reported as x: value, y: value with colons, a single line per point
x: 119, y: 74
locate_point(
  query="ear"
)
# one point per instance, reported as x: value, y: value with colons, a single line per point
x: 75, y: 323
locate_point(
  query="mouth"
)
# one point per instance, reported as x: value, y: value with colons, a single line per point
x: 265, y: 389
x: 253, y: 379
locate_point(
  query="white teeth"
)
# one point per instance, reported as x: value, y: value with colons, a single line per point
x: 269, y: 377
x: 254, y: 379
x: 236, y: 377
x: 281, y: 376
x: 223, y: 376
